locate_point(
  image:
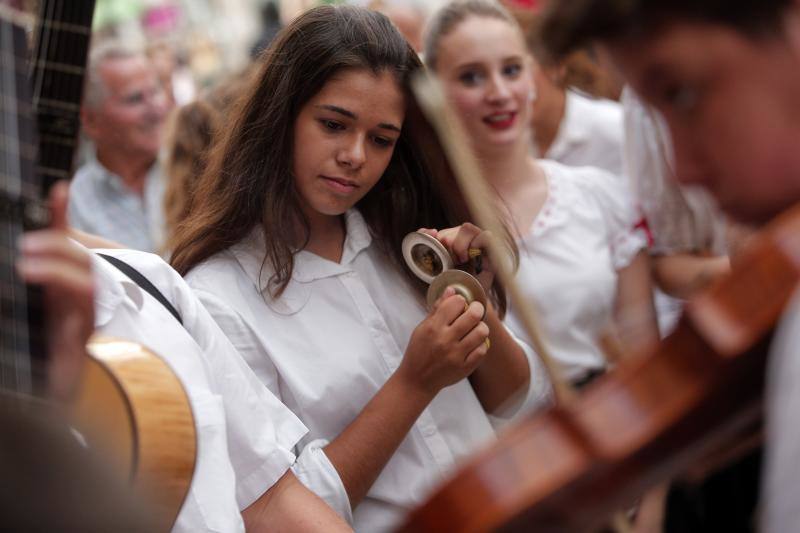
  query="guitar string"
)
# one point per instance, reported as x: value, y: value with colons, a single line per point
x: 6, y: 48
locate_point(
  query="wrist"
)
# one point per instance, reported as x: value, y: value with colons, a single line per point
x: 411, y: 388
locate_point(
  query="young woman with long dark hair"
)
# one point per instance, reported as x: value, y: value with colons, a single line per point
x: 294, y: 245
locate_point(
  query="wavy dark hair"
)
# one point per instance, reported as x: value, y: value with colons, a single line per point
x: 249, y: 180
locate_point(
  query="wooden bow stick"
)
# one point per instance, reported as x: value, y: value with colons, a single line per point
x: 431, y: 99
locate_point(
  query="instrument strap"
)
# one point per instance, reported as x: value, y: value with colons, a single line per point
x: 143, y: 283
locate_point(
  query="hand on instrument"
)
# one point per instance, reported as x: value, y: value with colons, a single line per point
x: 468, y: 243
x: 448, y: 345
x: 48, y: 258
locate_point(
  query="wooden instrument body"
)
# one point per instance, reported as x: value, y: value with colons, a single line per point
x: 132, y: 407
x: 132, y: 410
x: 569, y: 468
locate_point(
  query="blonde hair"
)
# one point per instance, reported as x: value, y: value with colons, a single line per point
x: 451, y: 15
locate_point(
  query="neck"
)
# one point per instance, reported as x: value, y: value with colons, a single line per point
x: 131, y: 168
x: 547, y: 117
x: 326, y: 234
x: 507, y: 167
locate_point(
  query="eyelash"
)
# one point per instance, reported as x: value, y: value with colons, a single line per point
x: 334, y: 126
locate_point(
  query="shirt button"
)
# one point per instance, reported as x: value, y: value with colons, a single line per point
x: 428, y: 431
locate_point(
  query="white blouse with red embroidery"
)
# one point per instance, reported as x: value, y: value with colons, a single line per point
x: 587, y: 230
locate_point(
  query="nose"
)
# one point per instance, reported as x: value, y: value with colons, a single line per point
x: 352, y: 154
x: 498, y: 89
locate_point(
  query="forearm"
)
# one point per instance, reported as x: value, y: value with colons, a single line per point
x: 634, y: 313
x: 290, y: 506
x: 505, y: 370
x: 361, y: 451
x: 681, y: 275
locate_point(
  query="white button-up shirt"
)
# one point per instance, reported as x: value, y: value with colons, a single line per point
x: 781, y: 470
x: 681, y: 218
x: 590, y: 134
x: 101, y: 204
x: 569, y: 258
x: 245, y: 436
x: 325, y: 348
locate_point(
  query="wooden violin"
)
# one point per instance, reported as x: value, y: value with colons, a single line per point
x: 571, y: 466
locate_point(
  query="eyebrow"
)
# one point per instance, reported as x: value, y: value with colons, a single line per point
x: 473, y: 64
x: 350, y: 114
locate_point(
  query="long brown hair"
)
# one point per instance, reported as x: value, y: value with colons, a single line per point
x: 190, y: 132
x: 249, y: 180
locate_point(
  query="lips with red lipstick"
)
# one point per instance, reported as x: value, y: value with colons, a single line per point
x: 501, y: 121
x: 339, y: 185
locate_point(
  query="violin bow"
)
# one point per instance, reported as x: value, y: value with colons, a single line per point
x: 430, y: 97
x: 434, y: 105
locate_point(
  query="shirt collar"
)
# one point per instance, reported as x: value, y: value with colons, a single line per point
x: 113, y: 180
x: 308, y: 267
x: 113, y: 288
x: 574, y: 128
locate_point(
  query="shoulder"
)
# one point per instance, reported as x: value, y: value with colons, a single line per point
x: 216, y: 273
x: 587, y: 179
x: 150, y: 265
x: 598, y: 110
x: 86, y: 177
x: 592, y: 192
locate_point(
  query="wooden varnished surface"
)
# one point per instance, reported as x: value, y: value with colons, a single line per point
x: 133, y: 409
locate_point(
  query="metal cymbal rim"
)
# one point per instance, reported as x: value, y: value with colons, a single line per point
x: 430, y: 245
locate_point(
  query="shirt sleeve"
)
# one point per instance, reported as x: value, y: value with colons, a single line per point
x: 262, y: 432
x: 312, y: 466
x: 538, y: 394
x: 781, y: 467
x: 315, y: 471
x: 626, y: 229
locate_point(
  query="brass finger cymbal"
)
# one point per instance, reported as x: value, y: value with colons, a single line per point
x: 425, y: 256
x: 464, y: 284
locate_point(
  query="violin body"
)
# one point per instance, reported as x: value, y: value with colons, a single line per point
x: 569, y: 468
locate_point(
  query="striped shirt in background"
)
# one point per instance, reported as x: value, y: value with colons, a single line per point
x: 101, y: 204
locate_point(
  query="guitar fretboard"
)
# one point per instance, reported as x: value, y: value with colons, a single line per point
x: 57, y: 71
x: 21, y: 342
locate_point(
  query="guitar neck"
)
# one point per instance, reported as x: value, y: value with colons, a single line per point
x: 21, y: 331
x: 57, y: 73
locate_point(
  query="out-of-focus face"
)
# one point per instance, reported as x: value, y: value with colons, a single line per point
x: 485, y: 69
x: 732, y: 106
x: 131, y: 117
x: 344, y: 138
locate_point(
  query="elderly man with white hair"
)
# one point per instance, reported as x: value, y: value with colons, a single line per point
x: 118, y: 193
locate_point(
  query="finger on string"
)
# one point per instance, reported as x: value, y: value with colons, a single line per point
x: 55, y: 274
x: 59, y: 198
x: 48, y: 244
